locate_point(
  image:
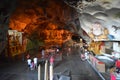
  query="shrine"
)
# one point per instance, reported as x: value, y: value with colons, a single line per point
x: 14, y: 43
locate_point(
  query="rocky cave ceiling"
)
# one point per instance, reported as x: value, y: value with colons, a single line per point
x: 106, y: 12
x: 34, y: 15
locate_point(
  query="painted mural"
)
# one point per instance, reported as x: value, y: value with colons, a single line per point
x: 101, y: 19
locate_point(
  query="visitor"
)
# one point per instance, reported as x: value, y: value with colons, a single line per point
x: 29, y: 63
x: 32, y: 65
x: 69, y: 51
x: 28, y: 56
x: 86, y: 54
x: 57, y: 50
x: 117, y: 64
x: 35, y: 62
x: 43, y: 53
x: 52, y: 60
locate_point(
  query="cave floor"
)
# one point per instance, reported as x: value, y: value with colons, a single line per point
x: 79, y: 70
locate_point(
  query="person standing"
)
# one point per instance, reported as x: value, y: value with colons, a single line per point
x: 43, y: 53
x: 52, y: 60
x: 57, y: 51
x: 32, y: 65
x: 86, y: 54
x: 117, y: 64
x: 29, y: 63
x: 35, y: 62
x: 112, y: 76
x: 28, y: 56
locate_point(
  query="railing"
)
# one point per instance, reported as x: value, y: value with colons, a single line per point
x: 46, y: 72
